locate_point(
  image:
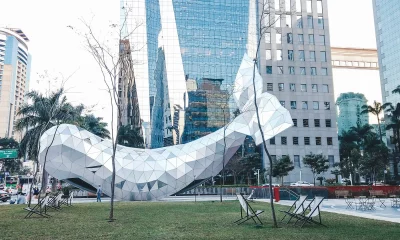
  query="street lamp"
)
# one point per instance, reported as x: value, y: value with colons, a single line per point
x: 258, y: 176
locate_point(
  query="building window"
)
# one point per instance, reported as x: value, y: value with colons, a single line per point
x: 309, y: 6
x: 291, y: 70
x: 269, y: 69
x: 311, y: 39
x: 306, y: 140
x: 282, y: 103
x: 331, y: 160
x: 294, y: 122
x: 301, y: 38
x: 305, y: 123
x: 270, y: 87
x: 280, y: 69
x: 273, y: 158
x: 304, y: 105
x: 313, y: 71
x: 302, y: 71
x: 314, y: 87
x: 301, y: 55
x: 293, y: 105
x: 321, y: 39
x: 299, y: 21
x: 310, y: 21
x: 296, y: 158
x: 318, y: 141
x: 293, y: 87
x: 324, y: 71
x: 328, y: 123
x: 329, y: 141
x: 327, y: 105
x: 277, y: 5
x: 272, y: 141
x: 268, y: 55
x: 281, y: 87
x: 290, y: 55
x: 267, y: 37
x: 277, y: 20
x: 315, y: 105
x: 287, y: 5
x: 317, y: 123
x: 319, y: 6
x: 312, y: 56
x: 303, y: 87
x: 323, y: 56
x: 320, y: 22
x: 295, y: 140
x: 278, y: 38
x: 279, y: 54
x: 283, y: 140
x: 289, y: 37
x: 325, y: 88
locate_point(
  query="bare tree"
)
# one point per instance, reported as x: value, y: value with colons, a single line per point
x: 264, y: 25
x: 113, y: 58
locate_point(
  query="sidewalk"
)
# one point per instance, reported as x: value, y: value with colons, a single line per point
x: 339, y: 206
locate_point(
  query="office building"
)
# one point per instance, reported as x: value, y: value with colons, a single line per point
x: 15, y: 62
x: 296, y: 58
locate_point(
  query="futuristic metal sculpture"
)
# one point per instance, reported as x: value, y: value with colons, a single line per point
x: 84, y: 159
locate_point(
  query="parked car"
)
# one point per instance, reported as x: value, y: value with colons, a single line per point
x: 301, y: 184
x: 4, y: 196
x: 273, y: 185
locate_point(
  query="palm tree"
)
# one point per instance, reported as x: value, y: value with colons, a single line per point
x: 394, y: 125
x: 40, y: 115
x: 130, y: 137
x: 361, y: 133
x: 376, y: 109
x: 94, y: 125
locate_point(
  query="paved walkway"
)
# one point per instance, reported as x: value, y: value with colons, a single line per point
x: 339, y: 206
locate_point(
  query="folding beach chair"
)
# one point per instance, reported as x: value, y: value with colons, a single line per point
x: 39, y: 209
x: 314, y: 212
x: 67, y: 199
x: 296, y: 208
x: 249, y: 212
x: 55, y: 203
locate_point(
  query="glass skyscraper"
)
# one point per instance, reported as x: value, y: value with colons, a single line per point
x: 187, y: 55
x: 387, y: 27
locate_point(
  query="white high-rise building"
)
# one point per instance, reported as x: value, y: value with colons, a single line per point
x: 295, y: 58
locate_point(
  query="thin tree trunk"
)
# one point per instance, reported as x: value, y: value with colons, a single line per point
x: 271, y: 198
x: 223, y: 162
x: 379, y: 126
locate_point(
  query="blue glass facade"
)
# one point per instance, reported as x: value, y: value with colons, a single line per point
x: 387, y: 27
x: 207, y: 40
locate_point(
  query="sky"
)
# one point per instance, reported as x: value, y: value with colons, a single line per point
x: 57, y: 49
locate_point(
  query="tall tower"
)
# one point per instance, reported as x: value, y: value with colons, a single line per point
x: 387, y: 26
x: 295, y: 62
x: 350, y: 111
x: 15, y: 64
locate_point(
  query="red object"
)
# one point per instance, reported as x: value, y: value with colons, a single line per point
x: 276, y: 194
x: 363, y: 190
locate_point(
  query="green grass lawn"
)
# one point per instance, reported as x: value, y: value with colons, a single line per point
x: 173, y: 220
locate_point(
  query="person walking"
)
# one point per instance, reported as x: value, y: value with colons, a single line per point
x: 99, y: 194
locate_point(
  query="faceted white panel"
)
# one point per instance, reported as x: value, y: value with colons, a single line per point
x: 147, y: 174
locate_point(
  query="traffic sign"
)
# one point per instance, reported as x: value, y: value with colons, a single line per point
x: 9, y: 153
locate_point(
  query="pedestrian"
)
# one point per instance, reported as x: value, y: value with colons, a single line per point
x: 99, y: 194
